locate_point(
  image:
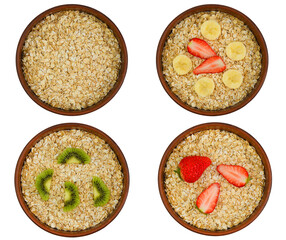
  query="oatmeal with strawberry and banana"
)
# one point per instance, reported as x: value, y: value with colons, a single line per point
x: 214, y: 179
x: 211, y: 60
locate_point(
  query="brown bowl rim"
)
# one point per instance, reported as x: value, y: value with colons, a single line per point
x: 243, y: 134
x: 252, y: 27
x: 122, y: 72
x: 67, y: 126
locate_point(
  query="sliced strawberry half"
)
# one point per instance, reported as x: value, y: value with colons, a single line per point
x: 207, y: 200
x: 234, y: 174
x: 200, y: 48
x: 211, y: 65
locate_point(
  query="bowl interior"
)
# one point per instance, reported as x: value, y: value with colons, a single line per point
x: 122, y: 71
x: 252, y: 27
x: 245, y: 136
x: 96, y: 132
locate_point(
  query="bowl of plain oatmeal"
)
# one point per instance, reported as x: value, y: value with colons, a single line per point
x: 214, y: 179
x: 212, y: 60
x: 71, y: 180
x: 71, y: 59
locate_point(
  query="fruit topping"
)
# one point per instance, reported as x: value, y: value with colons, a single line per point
x: 73, y: 155
x: 207, y: 200
x: 71, y: 199
x: 182, y: 64
x: 236, y: 51
x: 211, y: 65
x: 101, y: 193
x: 234, y: 174
x: 200, y: 48
x: 232, y: 78
x: 43, y: 183
x: 191, y: 168
x: 210, y: 29
x: 204, y: 87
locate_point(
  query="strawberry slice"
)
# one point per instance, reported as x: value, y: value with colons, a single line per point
x: 207, y: 200
x: 200, y: 48
x: 211, y: 65
x: 191, y: 168
x: 234, y: 174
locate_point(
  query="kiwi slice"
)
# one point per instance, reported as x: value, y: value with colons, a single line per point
x: 101, y: 193
x: 73, y: 155
x: 43, y: 183
x: 71, y: 196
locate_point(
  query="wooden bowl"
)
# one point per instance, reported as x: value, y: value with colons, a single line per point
x: 68, y: 126
x: 244, y: 135
x: 252, y: 27
x: 122, y: 71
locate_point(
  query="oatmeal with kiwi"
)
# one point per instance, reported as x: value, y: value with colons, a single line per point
x: 72, y: 180
x: 211, y: 60
x: 71, y: 60
x: 214, y: 179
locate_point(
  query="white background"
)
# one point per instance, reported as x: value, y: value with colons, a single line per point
x: 142, y: 119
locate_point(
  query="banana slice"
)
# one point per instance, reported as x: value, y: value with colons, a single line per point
x: 182, y: 64
x: 232, y: 78
x: 211, y: 29
x: 236, y: 51
x: 204, y: 87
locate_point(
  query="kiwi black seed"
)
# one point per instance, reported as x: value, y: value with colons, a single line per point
x: 101, y: 193
x: 73, y: 155
x: 43, y: 183
x: 71, y: 196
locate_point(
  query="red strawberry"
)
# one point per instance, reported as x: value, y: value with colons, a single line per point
x: 192, y: 167
x: 207, y: 200
x: 236, y: 175
x: 211, y: 65
x: 200, y: 48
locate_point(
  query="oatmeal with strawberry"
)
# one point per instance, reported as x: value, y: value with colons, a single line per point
x: 211, y: 60
x: 214, y: 179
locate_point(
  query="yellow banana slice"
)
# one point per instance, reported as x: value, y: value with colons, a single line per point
x: 232, y: 78
x: 211, y: 29
x: 236, y: 51
x: 182, y: 64
x: 204, y: 87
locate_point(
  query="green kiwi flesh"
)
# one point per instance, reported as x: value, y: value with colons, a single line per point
x: 73, y: 155
x: 43, y: 183
x: 101, y: 193
x: 71, y: 197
